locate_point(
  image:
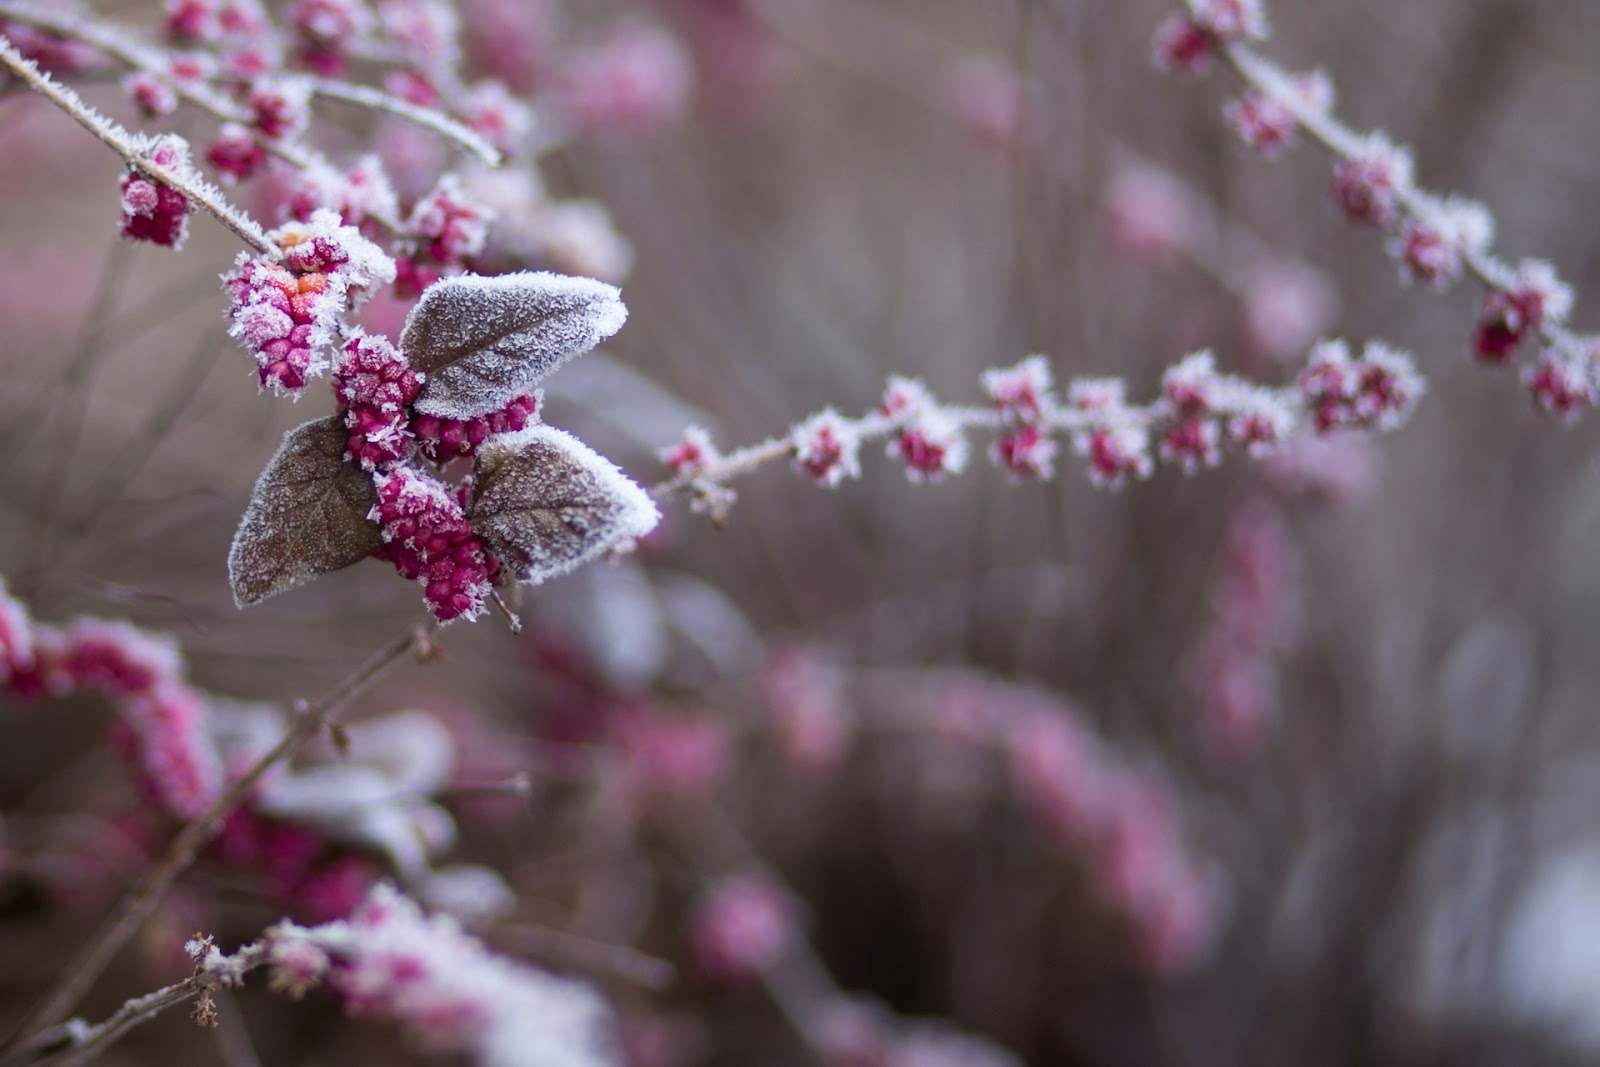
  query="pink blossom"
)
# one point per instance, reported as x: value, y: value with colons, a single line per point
x: 1152, y: 214
x: 806, y: 702
x: 636, y: 78
x: 1287, y: 305
x: 984, y: 98
x: 671, y: 755
x: 744, y: 926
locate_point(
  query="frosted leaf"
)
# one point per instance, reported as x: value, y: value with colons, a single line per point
x: 483, y: 342
x: 545, y: 502
x: 307, y: 515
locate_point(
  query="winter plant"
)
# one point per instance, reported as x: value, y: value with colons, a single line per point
x: 437, y: 459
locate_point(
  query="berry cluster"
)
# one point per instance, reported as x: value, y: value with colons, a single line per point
x: 162, y: 723
x: 1435, y: 239
x: 1200, y: 412
x: 287, y: 313
x: 429, y: 540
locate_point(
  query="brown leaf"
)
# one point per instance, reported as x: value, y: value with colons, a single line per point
x: 307, y: 516
x: 545, y: 502
x: 483, y: 342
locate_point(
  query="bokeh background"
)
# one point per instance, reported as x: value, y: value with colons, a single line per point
x: 1385, y: 790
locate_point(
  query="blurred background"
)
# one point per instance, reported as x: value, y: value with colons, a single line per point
x: 1290, y: 761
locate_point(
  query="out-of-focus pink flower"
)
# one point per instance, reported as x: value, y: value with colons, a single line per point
x: 743, y: 927
x: 985, y: 100
x: 634, y: 79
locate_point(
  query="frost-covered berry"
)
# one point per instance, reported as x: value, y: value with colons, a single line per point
x: 1259, y: 420
x: 1267, y: 123
x: 1560, y: 386
x: 742, y: 928
x: 327, y: 29
x: 295, y: 966
x: 1193, y: 386
x: 192, y: 20
x: 375, y: 385
x: 1115, y: 452
x: 166, y: 735
x: 826, y: 448
x: 692, y: 454
x: 283, y: 319
x: 411, y: 277
x: 236, y: 154
x: 1369, y: 183
x: 427, y: 538
x: 1102, y: 395
x: 324, y: 244
x: 450, y: 224
x: 1231, y: 20
x: 1519, y: 305
x: 1186, y: 43
x: 242, y: 19
x: 1379, y: 390
x: 362, y: 192
x: 118, y: 659
x: 491, y: 110
x: 152, y: 210
x: 931, y: 446
x: 1192, y: 442
x: 442, y: 439
x: 1433, y: 243
x: 154, y: 98
x: 929, y: 440
x: 286, y: 314
x: 1026, y: 452
x: 1183, y: 46
x: 1022, y: 392
x: 281, y: 106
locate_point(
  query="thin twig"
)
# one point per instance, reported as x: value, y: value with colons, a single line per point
x: 1343, y: 143
x: 180, y: 854
x: 426, y: 117
x: 124, y: 143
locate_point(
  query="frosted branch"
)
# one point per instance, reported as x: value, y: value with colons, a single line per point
x: 126, y: 145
